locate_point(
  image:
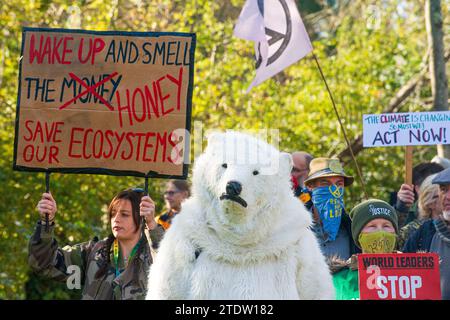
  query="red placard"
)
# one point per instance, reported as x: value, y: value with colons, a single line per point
x: 399, y: 276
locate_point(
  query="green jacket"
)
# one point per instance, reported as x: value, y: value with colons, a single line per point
x: 346, y: 284
x: 47, y: 259
x: 345, y: 278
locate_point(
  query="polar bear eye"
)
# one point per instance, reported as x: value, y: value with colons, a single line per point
x: 224, y: 165
x: 256, y: 172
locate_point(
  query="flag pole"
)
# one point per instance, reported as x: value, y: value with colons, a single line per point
x: 342, y: 127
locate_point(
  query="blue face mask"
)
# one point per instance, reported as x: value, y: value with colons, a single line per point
x: 329, y: 202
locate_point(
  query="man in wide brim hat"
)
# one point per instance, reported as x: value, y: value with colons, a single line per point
x: 332, y: 225
x: 326, y: 167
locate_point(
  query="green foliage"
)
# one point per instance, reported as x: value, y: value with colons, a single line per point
x: 366, y: 57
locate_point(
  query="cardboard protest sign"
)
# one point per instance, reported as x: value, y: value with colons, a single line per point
x: 406, y: 129
x: 403, y: 276
x: 104, y: 102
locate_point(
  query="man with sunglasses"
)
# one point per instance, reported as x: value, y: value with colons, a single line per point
x: 176, y: 192
x: 332, y: 226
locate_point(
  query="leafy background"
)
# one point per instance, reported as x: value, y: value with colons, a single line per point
x: 367, y: 49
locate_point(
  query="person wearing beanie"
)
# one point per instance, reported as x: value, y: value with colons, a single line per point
x: 374, y: 226
x: 374, y: 230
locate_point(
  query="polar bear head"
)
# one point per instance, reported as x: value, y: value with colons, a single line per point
x: 242, y: 182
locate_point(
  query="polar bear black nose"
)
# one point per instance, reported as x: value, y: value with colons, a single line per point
x: 233, y: 188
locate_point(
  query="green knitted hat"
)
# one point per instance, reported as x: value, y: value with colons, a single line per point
x: 370, y: 210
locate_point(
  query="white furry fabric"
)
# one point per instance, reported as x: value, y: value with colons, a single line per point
x: 262, y: 251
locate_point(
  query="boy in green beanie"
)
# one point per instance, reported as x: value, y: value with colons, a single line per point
x: 374, y: 230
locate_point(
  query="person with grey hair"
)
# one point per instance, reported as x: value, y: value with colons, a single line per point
x: 407, y: 196
x: 434, y: 235
x: 428, y: 208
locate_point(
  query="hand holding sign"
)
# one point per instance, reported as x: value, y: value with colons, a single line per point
x: 147, y: 210
x: 406, y: 194
x: 47, y: 205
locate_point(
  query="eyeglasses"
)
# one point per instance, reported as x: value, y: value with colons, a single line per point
x: 170, y: 193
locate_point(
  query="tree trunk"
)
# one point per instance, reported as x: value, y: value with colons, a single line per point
x: 439, y: 84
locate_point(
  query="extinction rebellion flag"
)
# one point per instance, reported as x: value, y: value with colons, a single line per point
x: 278, y: 32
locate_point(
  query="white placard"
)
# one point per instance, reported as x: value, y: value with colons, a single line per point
x: 406, y: 129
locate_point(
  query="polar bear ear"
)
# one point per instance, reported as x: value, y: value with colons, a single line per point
x: 285, y: 163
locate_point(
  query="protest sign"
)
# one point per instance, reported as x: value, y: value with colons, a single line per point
x: 403, y: 276
x: 107, y: 102
x: 406, y: 129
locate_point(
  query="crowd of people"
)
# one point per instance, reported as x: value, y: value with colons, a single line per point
x: 416, y: 220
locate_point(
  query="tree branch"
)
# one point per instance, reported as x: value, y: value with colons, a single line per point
x: 394, y: 106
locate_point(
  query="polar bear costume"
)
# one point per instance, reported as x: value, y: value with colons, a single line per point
x: 242, y: 234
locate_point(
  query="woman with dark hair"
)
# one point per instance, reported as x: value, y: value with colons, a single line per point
x: 113, y: 268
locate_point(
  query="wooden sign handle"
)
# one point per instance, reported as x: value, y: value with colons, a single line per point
x: 47, y: 190
x: 143, y: 222
x: 408, y: 164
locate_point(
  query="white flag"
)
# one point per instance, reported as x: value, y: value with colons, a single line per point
x: 279, y: 34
